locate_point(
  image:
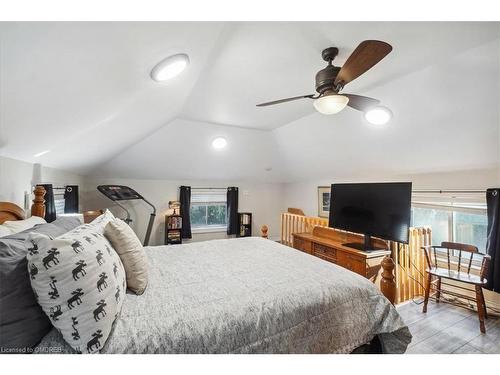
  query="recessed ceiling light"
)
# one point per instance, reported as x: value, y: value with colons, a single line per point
x: 170, y: 67
x: 378, y: 115
x: 41, y: 153
x: 219, y: 143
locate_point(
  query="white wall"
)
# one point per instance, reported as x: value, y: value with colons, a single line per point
x: 16, y: 177
x: 264, y: 200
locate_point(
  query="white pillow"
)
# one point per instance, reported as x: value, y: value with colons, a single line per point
x: 131, y: 253
x: 20, y: 225
x: 79, y: 282
x: 4, y: 231
x: 99, y: 223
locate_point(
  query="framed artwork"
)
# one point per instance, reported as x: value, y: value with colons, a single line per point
x: 324, y: 201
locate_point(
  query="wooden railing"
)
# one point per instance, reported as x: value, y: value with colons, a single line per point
x: 291, y: 223
x: 409, y: 259
x: 410, y: 264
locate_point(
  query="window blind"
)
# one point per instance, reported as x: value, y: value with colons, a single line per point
x: 208, y: 195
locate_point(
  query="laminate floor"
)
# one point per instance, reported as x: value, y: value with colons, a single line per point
x: 447, y: 329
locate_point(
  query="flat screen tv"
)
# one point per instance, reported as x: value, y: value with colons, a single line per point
x: 381, y: 210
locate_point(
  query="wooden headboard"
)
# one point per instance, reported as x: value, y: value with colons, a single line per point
x: 11, y: 212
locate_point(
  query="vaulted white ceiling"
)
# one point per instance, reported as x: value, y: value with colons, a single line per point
x: 83, y: 91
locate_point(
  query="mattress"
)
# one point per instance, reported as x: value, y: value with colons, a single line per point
x: 248, y: 295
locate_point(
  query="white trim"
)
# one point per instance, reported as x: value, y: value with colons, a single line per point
x: 210, y: 229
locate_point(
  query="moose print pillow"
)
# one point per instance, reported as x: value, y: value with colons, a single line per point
x: 79, y: 281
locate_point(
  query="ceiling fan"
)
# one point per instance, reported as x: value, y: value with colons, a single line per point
x: 331, y: 80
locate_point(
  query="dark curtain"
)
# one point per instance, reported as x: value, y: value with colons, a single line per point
x: 493, y: 240
x: 232, y: 210
x: 50, y: 206
x: 185, y: 199
x: 71, y: 199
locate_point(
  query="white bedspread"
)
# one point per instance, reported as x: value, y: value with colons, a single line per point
x: 249, y: 295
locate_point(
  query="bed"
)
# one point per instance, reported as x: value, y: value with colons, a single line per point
x: 249, y: 295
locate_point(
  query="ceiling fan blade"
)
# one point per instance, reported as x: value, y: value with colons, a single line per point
x: 285, y: 100
x: 361, y: 103
x: 365, y: 56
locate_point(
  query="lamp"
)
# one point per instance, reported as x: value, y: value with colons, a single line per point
x: 330, y: 104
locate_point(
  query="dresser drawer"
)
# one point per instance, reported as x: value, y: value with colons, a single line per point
x: 324, y: 252
x: 302, y: 245
x: 352, y: 263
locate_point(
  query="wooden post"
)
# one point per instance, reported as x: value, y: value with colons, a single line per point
x: 263, y: 231
x: 38, y: 206
x: 387, y: 284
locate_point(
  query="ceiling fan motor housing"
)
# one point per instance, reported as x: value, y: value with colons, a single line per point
x: 325, y: 79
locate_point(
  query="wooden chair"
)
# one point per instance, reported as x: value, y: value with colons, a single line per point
x: 442, y: 262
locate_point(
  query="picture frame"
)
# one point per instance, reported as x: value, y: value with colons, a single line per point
x: 324, y: 201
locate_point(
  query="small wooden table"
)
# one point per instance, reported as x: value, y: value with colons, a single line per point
x: 329, y: 244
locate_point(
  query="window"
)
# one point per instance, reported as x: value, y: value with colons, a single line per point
x: 464, y: 222
x: 208, y: 210
x: 434, y: 218
x: 470, y: 228
x: 59, y: 202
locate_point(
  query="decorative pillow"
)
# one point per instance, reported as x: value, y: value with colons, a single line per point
x: 131, y: 253
x: 22, y: 322
x: 99, y: 223
x: 20, y: 225
x: 79, y: 282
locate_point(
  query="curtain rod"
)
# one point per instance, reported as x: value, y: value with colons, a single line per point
x: 449, y: 191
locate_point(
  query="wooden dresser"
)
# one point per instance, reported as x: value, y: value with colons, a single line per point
x: 327, y: 244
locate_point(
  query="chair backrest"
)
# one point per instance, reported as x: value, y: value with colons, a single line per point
x: 445, y: 256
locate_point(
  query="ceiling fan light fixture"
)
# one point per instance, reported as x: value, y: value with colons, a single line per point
x: 330, y: 104
x: 378, y: 115
x: 170, y: 67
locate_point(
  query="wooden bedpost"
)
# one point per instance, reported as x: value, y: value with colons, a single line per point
x: 387, y: 284
x: 38, y: 206
x: 263, y: 231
